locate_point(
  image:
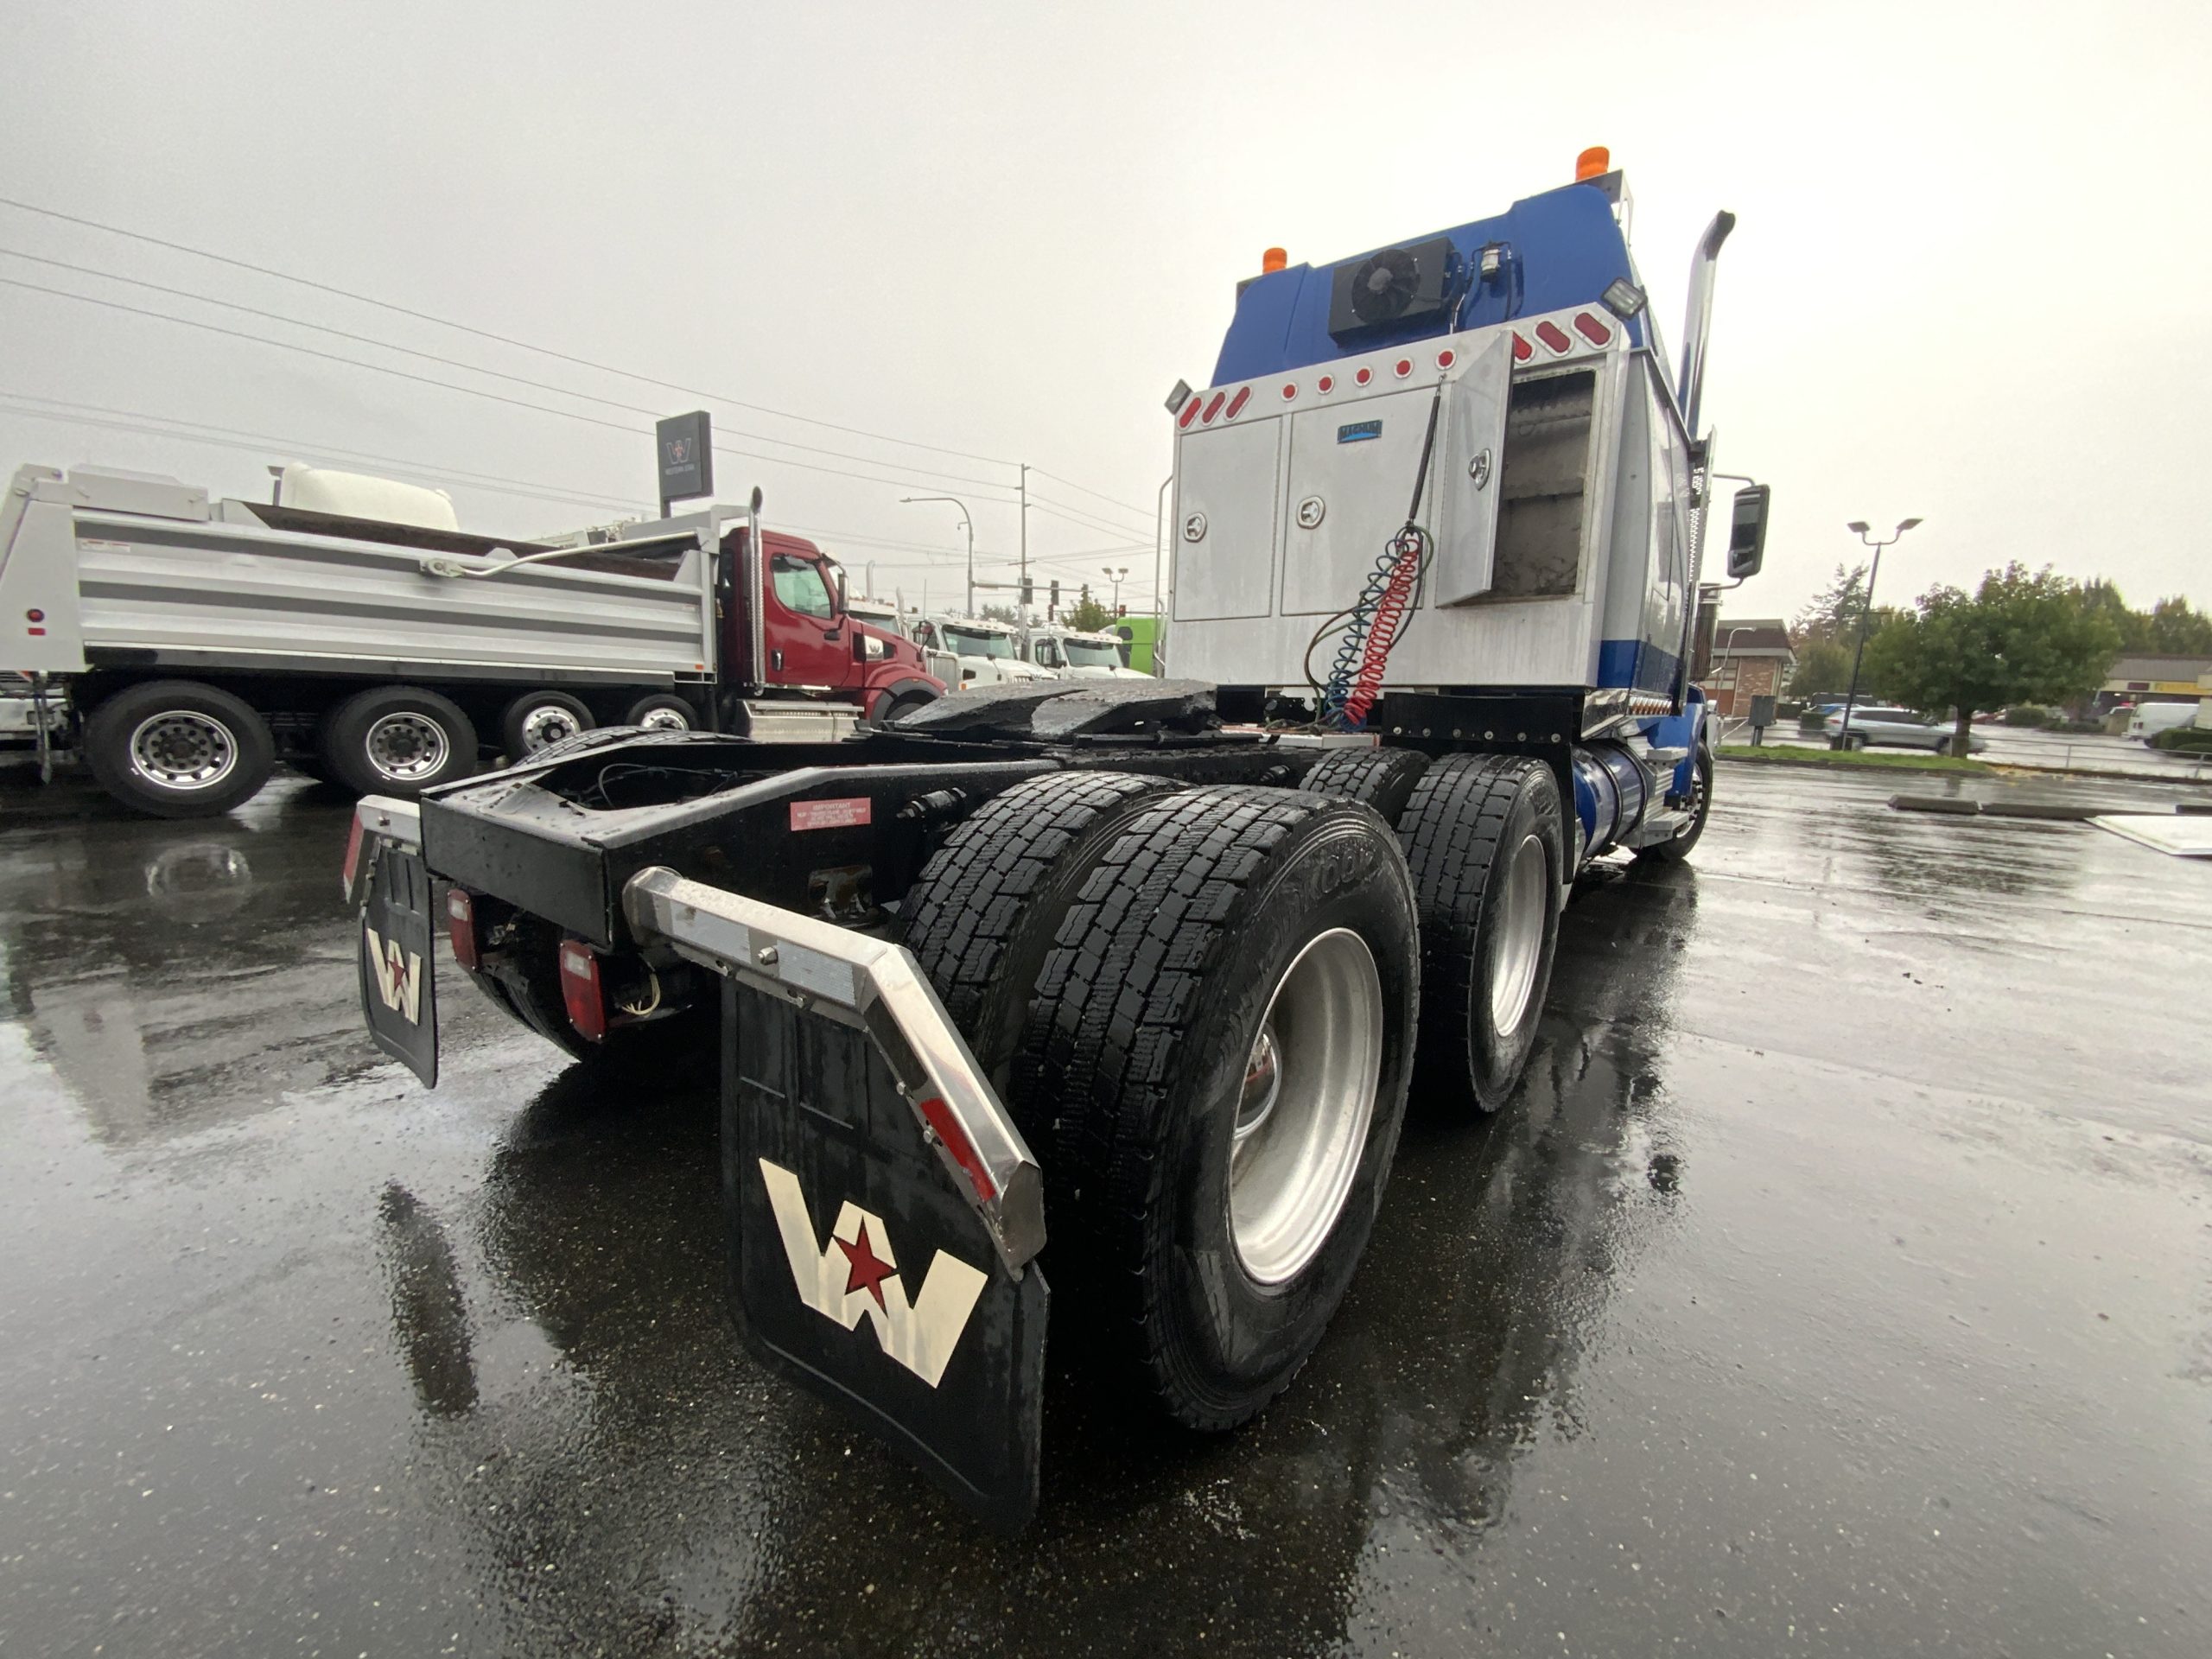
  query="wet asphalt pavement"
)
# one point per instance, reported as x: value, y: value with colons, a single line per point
x: 1842, y: 1282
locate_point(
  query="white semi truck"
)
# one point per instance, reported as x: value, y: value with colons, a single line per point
x: 1157, y: 962
x: 987, y: 651
x: 350, y: 628
x: 1072, y: 654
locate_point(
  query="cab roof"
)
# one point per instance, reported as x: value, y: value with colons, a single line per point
x: 1566, y: 247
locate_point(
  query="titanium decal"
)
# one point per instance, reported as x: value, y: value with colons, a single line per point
x: 1359, y: 431
x: 857, y: 1274
x: 399, y: 982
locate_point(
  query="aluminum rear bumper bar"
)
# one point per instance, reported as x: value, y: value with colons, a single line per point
x: 877, y: 986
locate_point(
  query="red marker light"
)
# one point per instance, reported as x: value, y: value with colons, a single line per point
x: 33, y: 614
x: 1523, y: 351
x: 1553, y: 336
x: 1445, y: 359
x: 1190, y: 413
x: 460, y: 926
x: 1364, y: 376
x: 1289, y: 389
x: 1591, y: 329
x: 1326, y: 382
x: 1405, y: 367
x: 1213, y: 408
x: 1237, y: 402
x: 582, y: 992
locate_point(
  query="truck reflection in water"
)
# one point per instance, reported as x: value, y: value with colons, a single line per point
x: 156, y: 959
x: 720, y: 1506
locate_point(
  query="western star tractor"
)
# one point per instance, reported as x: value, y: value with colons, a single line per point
x: 1126, y: 983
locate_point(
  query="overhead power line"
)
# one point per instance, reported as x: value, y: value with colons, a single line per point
x: 449, y: 385
x: 1142, y: 513
x: 457, y: 363
x: 486, y: 334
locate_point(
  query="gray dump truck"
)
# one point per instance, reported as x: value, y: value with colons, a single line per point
x: 351, y: 630
x: 1127, y: 980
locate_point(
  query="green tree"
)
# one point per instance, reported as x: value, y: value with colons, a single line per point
x: 1823, y: 671
x: 2022, y: 636
x: 2176, y: 630
x: 1001, y: 614
x: 1087, y: 615
x: 1833, y: 612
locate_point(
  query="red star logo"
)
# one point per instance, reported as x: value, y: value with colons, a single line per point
x: 867, y: 1269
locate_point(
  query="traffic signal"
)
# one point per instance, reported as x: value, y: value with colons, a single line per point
x: 1028, y: 591
x: 1120, y: 610
x: 1055, y: 591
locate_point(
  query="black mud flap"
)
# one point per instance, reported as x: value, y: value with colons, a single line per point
x: 398, y: 988
x: 861, y: 1271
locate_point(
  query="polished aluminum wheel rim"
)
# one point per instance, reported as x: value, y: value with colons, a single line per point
x: 182, y: 749
x: 1308, y: 1097
x: 547, y: 723
x: 1519, y: 932
x: 407, y: 746
x: 665, y: 720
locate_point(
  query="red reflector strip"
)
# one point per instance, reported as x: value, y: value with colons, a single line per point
x: 940, y: 1117
x: 1213, y: 408
x: 1236, y: 404
x: 581, y: 992
x: 1189, y: 411
x: 352, y: 870
x: 1523, y: 351
x: 844, y: 814
x: 1553, y: 336
x: 1591, y: 329
x: 460, y: 926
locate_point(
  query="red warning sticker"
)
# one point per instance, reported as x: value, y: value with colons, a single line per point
x: 829, y: 815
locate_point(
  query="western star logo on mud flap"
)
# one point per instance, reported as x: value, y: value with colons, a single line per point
x: 398, y: 975
x: 858, y: 1275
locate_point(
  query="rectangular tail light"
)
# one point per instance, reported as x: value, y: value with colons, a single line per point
x: 582, y: 991
x: 460, y: 925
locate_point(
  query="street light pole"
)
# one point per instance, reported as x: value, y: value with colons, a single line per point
x: 1865, y: 616
x: 1117, y: 577
x: 967, y: 523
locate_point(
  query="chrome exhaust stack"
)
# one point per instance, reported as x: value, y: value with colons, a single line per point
x: 1689, y: 386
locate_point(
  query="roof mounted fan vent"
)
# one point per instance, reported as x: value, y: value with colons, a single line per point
x: 1393, y: 286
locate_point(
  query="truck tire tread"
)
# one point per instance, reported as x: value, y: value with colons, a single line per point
x: 987, y: 904
x: 1111, y: 1038
x: 1450, y: 832
x: 1381, y: 779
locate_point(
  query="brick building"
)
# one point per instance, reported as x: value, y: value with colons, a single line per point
x: 1750, y: 659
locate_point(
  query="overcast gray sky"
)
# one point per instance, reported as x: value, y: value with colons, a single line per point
x: 1966, y: 282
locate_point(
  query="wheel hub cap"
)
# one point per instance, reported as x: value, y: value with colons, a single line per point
x: 406, y: 747
x: 548, y: 724
x: 182, y: 749
x: 1304, y: 1106
x: 1519, y: 930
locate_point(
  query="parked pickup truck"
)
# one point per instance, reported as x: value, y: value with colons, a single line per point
x: 196, y: 642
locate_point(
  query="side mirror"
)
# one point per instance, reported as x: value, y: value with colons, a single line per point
x: 1747, y: 532
x: 841, y: 606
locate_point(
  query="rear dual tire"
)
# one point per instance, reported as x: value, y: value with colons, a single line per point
x: 397, y: 739
x: 1486, y: 838
x: 1213, y: 1053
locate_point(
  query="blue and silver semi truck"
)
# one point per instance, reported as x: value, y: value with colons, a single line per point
x: 1126, y: 983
